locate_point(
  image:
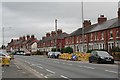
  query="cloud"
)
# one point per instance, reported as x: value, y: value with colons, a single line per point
x: 38, y: 17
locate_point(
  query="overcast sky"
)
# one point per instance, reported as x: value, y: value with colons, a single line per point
x: 23, y: 18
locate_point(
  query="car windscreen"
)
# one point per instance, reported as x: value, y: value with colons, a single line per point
x: 103, y: 53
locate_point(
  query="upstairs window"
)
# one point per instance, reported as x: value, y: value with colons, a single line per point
x: 117, y: 34
x: 102, y: 36
x: 111, y: 34
x: 91, y: 37
x: 85, y: 37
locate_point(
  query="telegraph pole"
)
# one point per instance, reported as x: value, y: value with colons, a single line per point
x: 82, y: 26
x: 3, y: 46
x: 56, y: 32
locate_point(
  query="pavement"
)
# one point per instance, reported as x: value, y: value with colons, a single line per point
x: 40, y: 67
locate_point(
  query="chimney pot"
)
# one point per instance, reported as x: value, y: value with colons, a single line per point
x: 102, y: 19
x: 28, y: 36
x: 86, y: 23
x: 53, y: 33
x: 47, y: 34
x: 59, y: 31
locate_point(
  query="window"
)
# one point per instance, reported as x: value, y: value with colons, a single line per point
x: 102, y: 36
x: 117, y: 34
x: 111, y: 35
x: 72, y: 39
x: 77, y: 39
x: 85, y: 37
x: 91, y: 37
x: 95, y: 36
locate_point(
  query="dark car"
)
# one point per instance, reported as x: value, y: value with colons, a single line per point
x: 101, y: 57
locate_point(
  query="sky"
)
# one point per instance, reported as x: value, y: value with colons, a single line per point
x: 24, y: 17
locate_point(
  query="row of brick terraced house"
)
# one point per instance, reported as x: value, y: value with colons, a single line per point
x: 25, y: 43
x: 105, y: 34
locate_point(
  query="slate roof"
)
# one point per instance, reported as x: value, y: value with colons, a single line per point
x: 97, y: 27
x: 58, y: 36
x: 106, y: 25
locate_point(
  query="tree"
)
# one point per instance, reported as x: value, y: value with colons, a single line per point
x: 68, y: 50
x: 53, y: 49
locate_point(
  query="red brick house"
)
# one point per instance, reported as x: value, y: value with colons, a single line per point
x: 23, y: 44
x: 103, y: 35
x: 52, y: 40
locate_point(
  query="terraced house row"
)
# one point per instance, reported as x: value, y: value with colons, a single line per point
x: 105, y: 34
x: 25, y: 43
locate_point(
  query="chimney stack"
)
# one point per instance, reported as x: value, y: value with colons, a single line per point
x: 53, y: 33
x: 86, y: 23
x: 43, y: 37
x: 101, y: 19
x: 59, y: 31
x: 12, y: 40
x: 56, y: 25
x: 47, y: 34
x: 28, y: 37
x: 118, y: 13
x: 32, y: 36
x: 20, y: 38
x: 24, y: 38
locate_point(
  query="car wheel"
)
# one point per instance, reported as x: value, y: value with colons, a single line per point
x: 98, y: 62
x: 90, y: 61
x: 112, y: 62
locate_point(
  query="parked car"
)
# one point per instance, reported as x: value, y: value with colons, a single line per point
x: 49, y: 54
x: 53, y: 54
x: 6, y: 55
x: 101, y: 57
x: 27, y: 53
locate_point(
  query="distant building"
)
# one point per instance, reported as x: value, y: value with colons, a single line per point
x: 52, y: 40
x: 25, y: 43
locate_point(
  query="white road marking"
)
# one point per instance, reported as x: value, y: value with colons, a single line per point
x: 45, y: 76
x: 41, y: 74
x: 88, y: 67
x: 111, y: 71
x: 69, y: 64
x: 24, y: 72
x: 50, y: 71
x: 33, y: 64
x: 80, y: 66
x: 28, y: 62
x: 40, y: 67
x: 56, y: 62
x: 63, y: 76
x: 64, y: 63
x: 40, y: 64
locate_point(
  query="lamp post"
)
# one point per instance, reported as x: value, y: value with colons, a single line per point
x: 82, y: 25
x: 3, y: 46
x: 3, y: 38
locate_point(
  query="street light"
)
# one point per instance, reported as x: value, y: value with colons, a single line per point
x: 3, y: 37
x: 82, y: 25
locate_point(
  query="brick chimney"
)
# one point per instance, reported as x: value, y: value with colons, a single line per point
x: 12, y: 40
x: 86, y: 23
x: 24, y: 38
x: 59, y: 31
x: 43, y: 37
x: 28, y: 37
x: 32, y: 37
x: 101, y: 19
x: 20, y: 38
x: 118, y: 13
x: 47, y: 34
x: 53, y: 33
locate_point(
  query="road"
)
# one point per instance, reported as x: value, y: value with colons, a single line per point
x: 43, y: 67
